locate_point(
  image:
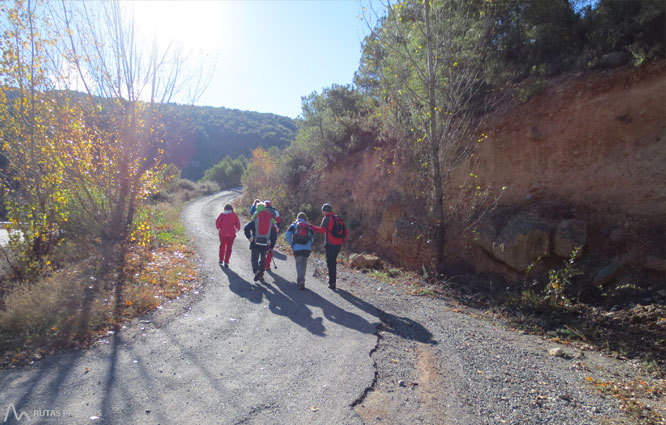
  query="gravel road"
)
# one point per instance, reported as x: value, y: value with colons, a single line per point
x: 239, y: 352
x: 443, y: 364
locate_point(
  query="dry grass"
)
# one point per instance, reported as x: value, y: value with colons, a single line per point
x: 72, y: 305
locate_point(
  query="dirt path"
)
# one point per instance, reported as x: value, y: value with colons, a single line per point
x: 240, y: 353
x: 268, y: 353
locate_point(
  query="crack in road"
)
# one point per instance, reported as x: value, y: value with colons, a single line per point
x: 371, y: 387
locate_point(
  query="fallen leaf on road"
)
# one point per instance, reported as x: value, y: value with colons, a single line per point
x: 314, y: 408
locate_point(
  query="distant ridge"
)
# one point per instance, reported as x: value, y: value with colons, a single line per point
x: 200, y: 136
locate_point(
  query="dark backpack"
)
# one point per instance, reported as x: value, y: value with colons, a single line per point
x: 338, y: 229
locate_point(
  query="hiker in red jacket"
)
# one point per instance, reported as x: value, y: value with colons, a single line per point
x: 336, y: 235
x: 227, y: 224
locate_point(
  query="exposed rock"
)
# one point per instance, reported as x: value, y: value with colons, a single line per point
x: 655, y: 263
x: 608, y: 273
x: 364, y: 261
x: 569, y: 235
x: 409, y: 241
x: 521, y: 241
x: 556, y: 352
x: 485, y: 235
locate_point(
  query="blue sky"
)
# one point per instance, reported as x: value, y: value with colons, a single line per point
x: 267, y: 54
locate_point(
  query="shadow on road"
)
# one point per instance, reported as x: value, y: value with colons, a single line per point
x: 287, y: 300
x: 280, y: 256
x: 279, y: 303
x: 332, y: 312
x: 403, y: 327
x: 242, y: 287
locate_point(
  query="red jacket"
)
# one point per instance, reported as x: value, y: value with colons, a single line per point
x: 227, y: 224
x: 330, y: 239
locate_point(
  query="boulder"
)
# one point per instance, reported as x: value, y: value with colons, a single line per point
x: 569, y: 234
x: 608, y: 273
x: 364, y: 261
x: 521, y: 241
x: 556, y: 352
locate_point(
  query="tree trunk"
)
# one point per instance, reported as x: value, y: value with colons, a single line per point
x: 434, y: 137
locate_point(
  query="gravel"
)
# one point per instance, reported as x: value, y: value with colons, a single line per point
x: 439, y: 363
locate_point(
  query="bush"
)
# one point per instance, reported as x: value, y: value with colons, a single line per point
x: 208, y: 188
x: 187, y: 185
x: 52, y: 313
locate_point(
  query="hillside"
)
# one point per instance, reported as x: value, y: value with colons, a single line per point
x: 582, y: 164
x: 200, y: 136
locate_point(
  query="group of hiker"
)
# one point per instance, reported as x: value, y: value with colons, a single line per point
x: 263, y: 228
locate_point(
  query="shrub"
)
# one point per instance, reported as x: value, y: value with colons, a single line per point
x: 53, y: 312
x: 187, y: 185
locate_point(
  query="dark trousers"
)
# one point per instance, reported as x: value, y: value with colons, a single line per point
x: 332, y: 252
x: 258, y: 258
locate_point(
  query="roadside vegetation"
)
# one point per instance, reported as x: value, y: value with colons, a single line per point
x: 92, y: 210
x: 72, y: 302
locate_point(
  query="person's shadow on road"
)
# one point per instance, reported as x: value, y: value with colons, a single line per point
x: 331, y: 311
x: 278, y: 302
x: 242, y: 287
x: 287, y: 300
x: 403, y: 327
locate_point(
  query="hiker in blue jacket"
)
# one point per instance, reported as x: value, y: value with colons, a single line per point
x: 300, y: 237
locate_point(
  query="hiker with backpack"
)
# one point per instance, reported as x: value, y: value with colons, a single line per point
x: 262, y: 236
x: 278, y: 221
x: 300, y: 237
x: 336, y: 234
x: 227, y: 224
x: 253, y: 207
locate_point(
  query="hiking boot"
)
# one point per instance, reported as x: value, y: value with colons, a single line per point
x: 301, y: 286
x: 258, y: 276
x: 226, y: 265
x: 220, y: 263
x: 331, y: 285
